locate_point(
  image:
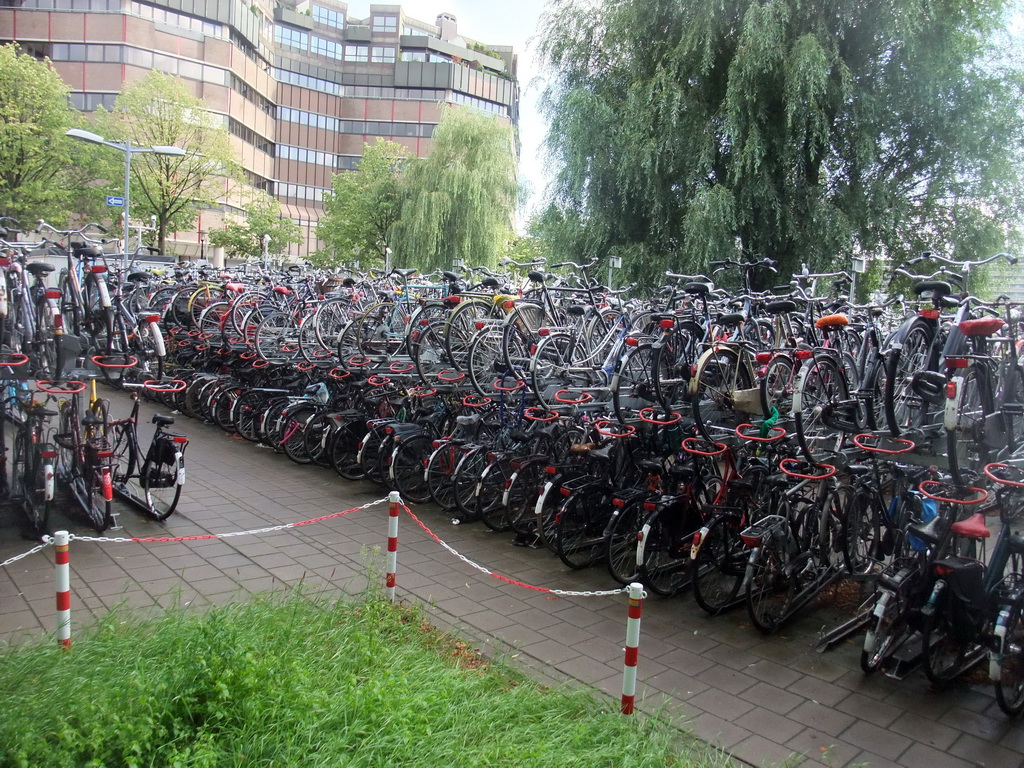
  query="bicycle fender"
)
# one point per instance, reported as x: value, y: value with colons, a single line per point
x: 698, y: 540
x: 641, y: 542
x: 949, y: 419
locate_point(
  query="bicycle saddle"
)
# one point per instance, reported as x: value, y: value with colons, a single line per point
x: 159, y: 418
x: 698, y: 289
x: 780, y: 307
x: 38, y: 268
x: 733, y: 318
x: 937, y: 288
x: 404, y: 272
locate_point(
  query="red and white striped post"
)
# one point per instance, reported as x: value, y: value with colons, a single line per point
x: 394, y: 500
x: 636, y: 601
x: 61, y: 541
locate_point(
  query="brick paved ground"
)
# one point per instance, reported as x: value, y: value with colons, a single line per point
x: 762, y: 699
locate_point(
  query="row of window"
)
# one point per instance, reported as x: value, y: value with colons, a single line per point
x: 301, y: 192
x: 483, y: 105
x: 246, y: 91
x: 90, y: 102
x: 357, y: 91
x: 305, y: 81
x: 171, y: 18
x: 63, y: 5
x: 357, y: 127
x: 291, y: 37
x: 329, y: 17
x: 424, y: 56
x: 248, y: 135
x: 303, y: 155
x: 125, y: 54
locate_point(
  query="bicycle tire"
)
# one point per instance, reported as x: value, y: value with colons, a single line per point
x: 716, y: 392
x: 344, y: 450
x: 821, y: 381
x: 490, y: 504
x: 125, y: 476
x: 581, y: 526
x: 161, y: 486
x: 770, y: 590
x: 438, y: 472
x: 966, y: 440
x: 633, y: 385
x: 407, y: 468
x: 466, y: 481
x: 902, y: 409
x: 621, y: 541
x: 720, y: 566
x: 1009, y: 687
x: 666, y: 568
x: 28, y: 482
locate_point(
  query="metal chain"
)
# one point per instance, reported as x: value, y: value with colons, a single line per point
x: 47, y: 541
x: 205, y: 536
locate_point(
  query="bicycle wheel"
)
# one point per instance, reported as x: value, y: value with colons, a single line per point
x: 460, y: 328
x: 722, y: 394
x: 965, y: 436
x: 671, y: 365
x: 944, y: 646
x: 519, y: 334
x: 48, y: 346
x: 770, y: 589
x: 293, y: 442
x: 490, y: 504
x: 777, y: 384
x: 29, y: 485
x: 620, y: 545
x: 97, y: 508
x: 555, y: 365
x: 369, y: 454
x: 160, y: 477
x: 633, y: 386
x: 581, y: 524
x: 407, y: 464
x: 344, y: 450
x: 821, y: 381
x: 277, y: 338
x: 719, y: 567
x: 666, y: 551
x: 126, y: 462
x: 904, y: 408
x: 439, y: 471
x: 861, y: 535
x: 1010, y: 683
x: 466, y: 481
x: 522, y: 497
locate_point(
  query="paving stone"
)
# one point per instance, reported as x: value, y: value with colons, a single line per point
x: 821, y: 718
x: 772, y: 698
x: 720, y: 703
x: 922, y: 756
x: 869, y: 709
x: 770, y: 725
x: 879, y: 740
x: 760, y: 751
x: 982, y: 753
x: 821, y: 748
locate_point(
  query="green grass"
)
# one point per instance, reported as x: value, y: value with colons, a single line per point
x: 299, y: 680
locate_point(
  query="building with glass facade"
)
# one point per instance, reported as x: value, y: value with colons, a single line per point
x: 302, y: 87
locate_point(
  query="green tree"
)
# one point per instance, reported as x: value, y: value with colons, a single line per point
x: 362, y: 208
x: 782, y: 128
x: 244, y: 238
x: 458, y: 201
x: 161, y: 110
x: 43, y: 174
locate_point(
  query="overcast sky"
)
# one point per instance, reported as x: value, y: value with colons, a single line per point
x: 497, y: 23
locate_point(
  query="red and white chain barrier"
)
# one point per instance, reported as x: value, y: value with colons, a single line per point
x: 636, y: 596
x: 636, y: 601
x: 394, y: 501
x: 62, y: 578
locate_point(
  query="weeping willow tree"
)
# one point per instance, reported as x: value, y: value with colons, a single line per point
x: 458, y: 202
x: 685, y: 131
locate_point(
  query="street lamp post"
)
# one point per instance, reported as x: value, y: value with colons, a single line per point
x: 129, y: 149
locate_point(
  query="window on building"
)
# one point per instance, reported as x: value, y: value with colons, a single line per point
x: 414, y: 56
x: 358, y: 53
x: 323, y: 47
x: 329, y: 17
x: 385, y: 24
x: 291, y: 37
x: 407, y: 30
x: 384, y: 54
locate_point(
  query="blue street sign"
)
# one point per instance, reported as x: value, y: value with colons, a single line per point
x: 116, y: 202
